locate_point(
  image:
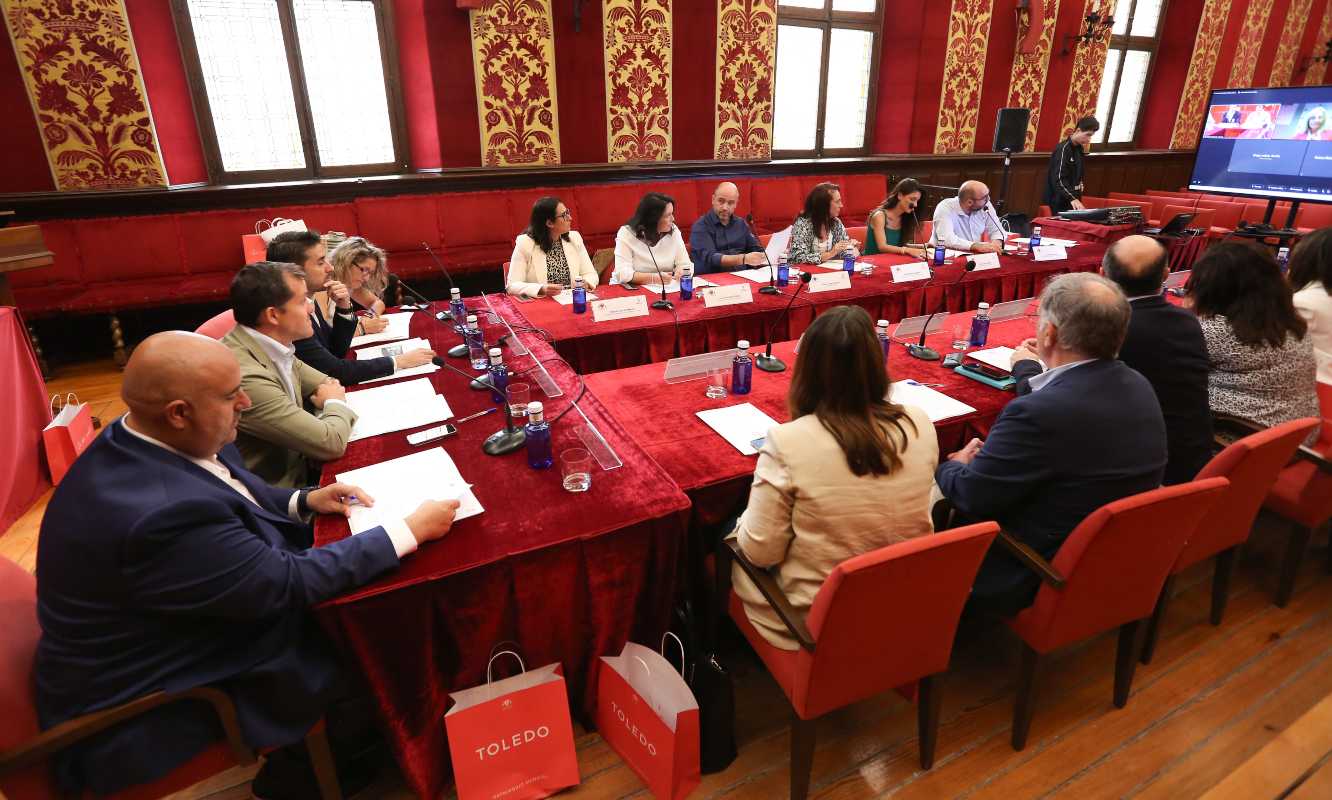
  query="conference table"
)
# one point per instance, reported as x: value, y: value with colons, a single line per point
x: 559, y: 577
x: 692, y: 328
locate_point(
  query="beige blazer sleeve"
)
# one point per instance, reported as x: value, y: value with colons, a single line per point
x: 580, y: 263
x: 764, y: 531
x: 527, y: 268
x: 274, y: 418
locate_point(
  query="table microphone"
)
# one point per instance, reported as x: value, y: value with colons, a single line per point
x: 396, y: 284
x: 501, y: 442
x: 771, y: 288
x: 766, y: 361
x: 918, y: 349
x: 663, y: 303
x: 445, y: 314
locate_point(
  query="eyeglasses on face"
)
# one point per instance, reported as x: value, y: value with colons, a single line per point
x: 565, y: 215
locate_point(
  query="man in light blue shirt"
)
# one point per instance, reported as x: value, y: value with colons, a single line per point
x: 960, y: 222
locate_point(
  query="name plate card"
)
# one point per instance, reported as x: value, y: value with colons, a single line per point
x: 830, y: 282
x: 986, y: 261
x: 914, y: 271
x: 619, y: 308
x: 1049, y: 252
x: 729, y: 295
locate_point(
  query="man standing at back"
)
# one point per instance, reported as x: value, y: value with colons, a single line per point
x: 1063, y: 182
x: 720, y: 241
x: 1082, y: 434
x: 1165, y: 343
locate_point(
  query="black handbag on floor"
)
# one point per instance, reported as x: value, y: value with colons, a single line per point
x: 711, y: 684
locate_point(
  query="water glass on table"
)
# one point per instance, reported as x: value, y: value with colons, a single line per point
x: 718, y: 382
x: 961, y: 333
x: 576, y: 467
x: 518, y: 395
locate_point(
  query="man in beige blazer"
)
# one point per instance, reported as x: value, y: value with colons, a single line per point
x: 298, y: 415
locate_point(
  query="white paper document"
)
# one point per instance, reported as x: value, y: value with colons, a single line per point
x: 741, y: 425
x: 673, y: 286
x: 1049, y: 252
x: 398, y: 324
x: 397, y: 349
x: 399, y: 485
x: 997, y: 357
x: 1050, y: 240
x: 565, y: 298
x: 936, y: 405
x: 757, y: 274
x: 778, y: 244
x: 396, y: 407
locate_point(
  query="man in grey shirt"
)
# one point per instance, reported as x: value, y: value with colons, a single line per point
x: 960, y: 222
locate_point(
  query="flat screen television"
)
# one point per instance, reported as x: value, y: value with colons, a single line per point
x: 1268, y: 143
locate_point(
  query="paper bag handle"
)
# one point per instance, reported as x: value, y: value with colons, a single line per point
x: 678, y: 643
x: 491, y: 663
x: 262, y: 225
x: 67, y: 401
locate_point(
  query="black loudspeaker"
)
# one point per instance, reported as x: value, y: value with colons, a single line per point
x: 1010, y: 129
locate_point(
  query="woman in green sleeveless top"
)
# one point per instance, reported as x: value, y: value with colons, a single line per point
x: 894, y: 222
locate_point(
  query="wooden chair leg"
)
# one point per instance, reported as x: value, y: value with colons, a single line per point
x: 1153, y: 629
x: 1026, y: 696
x: 1296, y: 544
x: 118, y: 342
x: 802, y: 755
x: 321, y: 761
x: 1126, y: 660
x: 927, y: 717
x: 1221, y: 574
x: 41, y: 356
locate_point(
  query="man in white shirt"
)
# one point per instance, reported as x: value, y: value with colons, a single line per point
x: 961, y: 222
x: 278, y: 433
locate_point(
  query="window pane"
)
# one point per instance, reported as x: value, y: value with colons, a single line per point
x: 1121, y: 18
x: 1146, y: 15
x: 1131, y: 84
x: 245, y: 74
x: 796, y: 100
x: 344, y: 78
x: 802, y: 3
x: 1112, y: 58
x: 848, y: 87
x: 866, y: 6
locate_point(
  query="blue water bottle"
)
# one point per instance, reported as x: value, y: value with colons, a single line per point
x: 783, y: 271
x: 538, y: 437
x: 1283, y: 259
x: 1036, y: 236
x: 579, y: 297
x: 849, y: 261
x: 499, y: 375
x: 742, y: 369
x: 939, y: 252
x: 980, y: 325
x: 456, y: 309
x: 687, y: 284
x: 883, y: 338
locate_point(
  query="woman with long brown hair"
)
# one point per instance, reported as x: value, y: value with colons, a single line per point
x: 851, y: 472
x: 892, y: 225
x: 818, y: 235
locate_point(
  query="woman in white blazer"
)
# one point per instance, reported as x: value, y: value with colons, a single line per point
x: 851, y: 472
x: 649, y: 248
x: 1311, y: 277
x: 537, y: 267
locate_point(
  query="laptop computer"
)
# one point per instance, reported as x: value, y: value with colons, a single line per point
x: 1177, y: 225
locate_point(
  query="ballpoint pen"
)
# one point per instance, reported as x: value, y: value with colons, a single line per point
x: 480, y: 413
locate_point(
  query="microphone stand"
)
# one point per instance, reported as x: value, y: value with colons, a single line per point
x: 918, y: 349
x: 445, y: 314
x: 663, y: 303
x: 501, y: 442
x: 402, y: 285
x: 766, y: 361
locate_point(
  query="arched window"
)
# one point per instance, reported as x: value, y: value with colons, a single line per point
x: 1128, y: 65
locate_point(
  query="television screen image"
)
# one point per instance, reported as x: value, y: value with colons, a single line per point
x: 1268, y: 143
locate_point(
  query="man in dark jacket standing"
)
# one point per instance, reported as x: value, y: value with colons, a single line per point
x: 1063, y: 184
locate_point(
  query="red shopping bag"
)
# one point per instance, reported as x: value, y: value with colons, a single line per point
x: 68, y: 434
x: 256, y: 249
x: 647, y: 714
x: 513, y: 739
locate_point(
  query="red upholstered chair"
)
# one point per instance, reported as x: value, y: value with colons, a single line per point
x: 1302, y: 494
x: 605, y: 207
x: 26, y: 750
x: 1106, y: 575
x: 46, y: 290
x: 476, y: 230
x: 883, y: 619
x: 858, y: 233
x: 775, y: 202
x: 219, y: 326
x: 1251, y: 465
x: 1314, y: 216
x: 925, y: 230
x: 1043, y: 211
x: 1096, y: 202
x: 861, y: 194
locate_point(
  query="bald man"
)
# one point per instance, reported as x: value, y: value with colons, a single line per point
x: 964, y: 222
x: 1165, y: 343
x: 720, y: 241
x: 164, y: 565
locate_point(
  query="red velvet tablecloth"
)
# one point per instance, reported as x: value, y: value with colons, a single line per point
x: 1088, y: 232
x: 662, y: 417
x: 591, y: 346
x: 567, y: 577
x: 23, y: 414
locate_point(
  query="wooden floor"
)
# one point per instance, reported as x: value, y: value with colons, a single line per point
x: 1211, y: 700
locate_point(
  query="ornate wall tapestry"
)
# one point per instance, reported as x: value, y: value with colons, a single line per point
x: 1283, y: 66
x: 1314, y: 75
x: 1088, y: 68
x: 638, y: 79
x: 1250, y: 42
x: 513, y: 57
x: 746, y: 66
x: 82, y: 76
x: 963, y: 75
x: 1198, y: 83
x: 1027, y: 84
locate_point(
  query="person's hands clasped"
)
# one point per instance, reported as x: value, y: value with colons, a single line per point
x: 328, y: 390
x: 552, y: 289
x: 337, y: 498
x: 413, y: 358
x: 340, y: 293
x: 373, y: 324
x: 432, y: 519
x: 754, y: 259
x: 1025, y: 352
x: 967, y: 453
x: 987, y: 247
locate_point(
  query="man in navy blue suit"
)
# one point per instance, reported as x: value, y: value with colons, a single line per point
x: 1086, y: 431
x: 163, y: 564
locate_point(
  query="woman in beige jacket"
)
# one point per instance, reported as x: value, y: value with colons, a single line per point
x: 537, y: 267
x: 851, y: 472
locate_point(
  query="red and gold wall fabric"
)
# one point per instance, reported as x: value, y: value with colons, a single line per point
x: 82, y: 76
x: 513, y: 56
x: 963, y: 76
x: 1026, y: 86
x: 746, y: 66
x: 1315, y: 74
x: 1088, y: 68
x: 1250, y: 42
x: 1283, y: 66
x: 1206, y: 49
x: 638, y: 79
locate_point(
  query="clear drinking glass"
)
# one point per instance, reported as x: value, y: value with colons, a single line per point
x: 718, y: 381
x: 961, y: 332
x: 518, y: 395
x: 576, y: 467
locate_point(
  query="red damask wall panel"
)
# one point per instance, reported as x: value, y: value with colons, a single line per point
x: 998, y: 70
x: 1276, y: 23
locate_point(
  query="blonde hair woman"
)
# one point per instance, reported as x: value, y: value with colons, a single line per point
x: 363, y: 269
